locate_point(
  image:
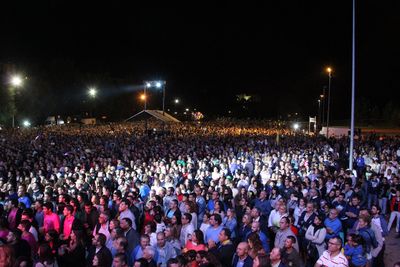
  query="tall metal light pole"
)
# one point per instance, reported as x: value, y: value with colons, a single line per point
x: 329, y: 70
x: 353, y: 89
x: 16, y: 81
x: 319, y: 111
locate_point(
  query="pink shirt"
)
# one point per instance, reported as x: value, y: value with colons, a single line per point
x: 192, y: 246
x: 68, y: 221
x: 51, y: 221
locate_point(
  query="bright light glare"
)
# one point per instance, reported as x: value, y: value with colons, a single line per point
x: 148, y: 85
x: 296, y: 126
x: 329, y: 70
x: 143, y: 97
x: 26, y: 123
x: 187, y: 109
x: 177, y: 101
x: 16, y: 81
x: 92, y: 92
x: 158, y: 84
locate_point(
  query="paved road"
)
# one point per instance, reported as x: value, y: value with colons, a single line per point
x: 392, y: 251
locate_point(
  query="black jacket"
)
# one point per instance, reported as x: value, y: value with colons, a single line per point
x: 248, y: 262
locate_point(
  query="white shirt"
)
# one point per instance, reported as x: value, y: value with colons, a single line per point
x: 327, y: 261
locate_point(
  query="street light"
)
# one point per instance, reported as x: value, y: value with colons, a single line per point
x: 15, y: 81
x: 26, y: 123
x: 92, y: 92
x: 143, y: 97
x: 158, y: 85
x: 329, y: 70
x: 296, y: 126
x: 176, y: 101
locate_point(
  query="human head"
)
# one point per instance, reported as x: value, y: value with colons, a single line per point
x: 120, y: 260
x: 284, y: 223
x: 242, y: 249
x: 161, y: 239
x: 224, y: 235
x: 275, y: 255
x: 290, y: 241
x: 334, y: 244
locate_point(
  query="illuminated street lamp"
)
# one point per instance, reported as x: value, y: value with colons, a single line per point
x: 15, y: 82
x: 92, y: 92
x: 157, y: 85
x: 329, y: 70
x: 176, y: 101
x: 26, y: 123
x: 296, y: 126
x: 143, y: 97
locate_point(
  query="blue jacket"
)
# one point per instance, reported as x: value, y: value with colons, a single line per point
x: 335, y: 225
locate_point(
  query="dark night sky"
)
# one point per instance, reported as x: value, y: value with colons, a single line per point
x: 206, y: 53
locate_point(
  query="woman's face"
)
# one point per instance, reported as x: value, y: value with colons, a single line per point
x: 173, y: 220
x: 167, y: 232
x: 317, y: 221
x: 194, y: 238
x: 301, y: 202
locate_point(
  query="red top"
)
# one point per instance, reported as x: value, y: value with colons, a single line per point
x: 393, y: 203
x: 196, y: 247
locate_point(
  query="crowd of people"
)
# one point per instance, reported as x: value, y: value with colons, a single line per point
x: 218, y: 194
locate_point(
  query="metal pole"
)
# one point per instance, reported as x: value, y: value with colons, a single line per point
x: 319, y: 111
x: 329, y: 104
x: 13, y: 121
x: 163, y: 100
x: 353, y: 89
x: 323, y: 106
x: 145, y: 97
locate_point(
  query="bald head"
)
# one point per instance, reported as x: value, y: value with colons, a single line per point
x: 242, y: 250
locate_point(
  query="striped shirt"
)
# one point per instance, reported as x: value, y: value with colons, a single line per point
x: 327, y: 261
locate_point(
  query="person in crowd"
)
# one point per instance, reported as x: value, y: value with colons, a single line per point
x: 315, y: 239
x: 224, y: 249
x: 73, y: 253
x: 333, y: 224
x: 164, y: 249
x: 196, y: 242
x: 333, y: 255
x: 99, y: 250
x: 289, y: 255
x: 242, y: 258
x: 283, y: 233
x: 130, y: 234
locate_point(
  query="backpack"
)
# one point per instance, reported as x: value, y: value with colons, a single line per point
x: 371, y: 235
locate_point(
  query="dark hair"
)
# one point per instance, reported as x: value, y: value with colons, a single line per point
x: 69, y: 208
x: 48, y: 205
x: 26, y: 224
x: 263, y: 260
x: 292, y: 238
x: 217, y: 218
x: 172, y: 261
x: 199, y: 236
x: 227, y: 232
x: 102, y: 239
x: 128, y: 221
x: 122, y: 257
x: 188, y: 216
